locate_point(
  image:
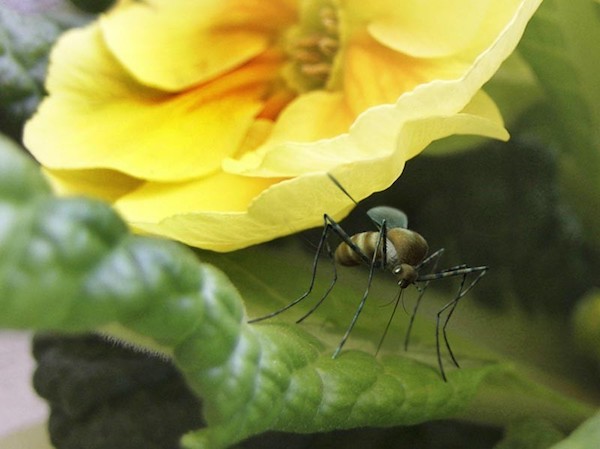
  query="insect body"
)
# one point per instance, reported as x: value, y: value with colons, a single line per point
x: 395, y: 248
x: 400, y: 251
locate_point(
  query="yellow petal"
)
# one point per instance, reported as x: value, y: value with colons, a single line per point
x: 196, y: 213
x: 368, y: 158
x: 481, y: 117
x: 382, y: 133
x: 226, y: 211
x: 379, y: 131
x: 279, y: 210
x: 500, y: 17
x: 176, y: 44
x: 106, y: 185
x: 97, y: 117
x: 481, y: 112
x: 441, y: 97
x: 219, y: 192
x: 424, y: 28
x: 374, y: 74
x: 310, y: 117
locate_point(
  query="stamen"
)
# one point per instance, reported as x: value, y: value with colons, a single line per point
x: 329, y: 19
x: 328, y: 46
x: 306, y: 56
x: 320, y: 70
x: 314, y: 50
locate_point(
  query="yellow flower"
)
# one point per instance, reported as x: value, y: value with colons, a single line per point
x: 214, y: 122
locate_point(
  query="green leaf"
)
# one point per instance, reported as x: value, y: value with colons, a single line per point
x: 586, y: 324
x: 27, y: 33
x: 530, y: 434
x: 586, y: 436
x: 514, y: 89
x: 562, y: 45
x: 71, y: 265
x: 93, y: 6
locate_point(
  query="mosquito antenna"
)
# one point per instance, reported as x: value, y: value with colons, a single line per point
x: 341, y: 187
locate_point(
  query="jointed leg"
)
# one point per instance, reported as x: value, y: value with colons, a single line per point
x: 380, y: 241
x: 435, y: 257
x: 322, y: 243
x: 329, y: 225
x: 462, y: 291
x: 452, y: 305
x: 396, y: 302
x: 331, y: 285
x: 333, y: 226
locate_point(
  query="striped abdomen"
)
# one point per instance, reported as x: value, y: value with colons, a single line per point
x: 402, y: 246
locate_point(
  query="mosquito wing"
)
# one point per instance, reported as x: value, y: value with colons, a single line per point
x: 394, y: 218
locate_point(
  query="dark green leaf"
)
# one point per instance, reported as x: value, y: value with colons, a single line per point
x: 27, y: 32
x: 93, y: 6
x: 586, y: 436
x: 586, y: 324
x: 530, y: 434
x: 562, y: 45
x: 71, y: 265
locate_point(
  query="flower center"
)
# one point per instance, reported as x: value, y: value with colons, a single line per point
x: 312, y: 48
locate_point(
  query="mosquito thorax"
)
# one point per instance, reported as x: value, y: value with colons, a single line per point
x: 411, y: 248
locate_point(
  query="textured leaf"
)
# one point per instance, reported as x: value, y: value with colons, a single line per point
x: 586, y: 436
x: 562, y: 45
x: 530, y: 434
x: 71, y: 265
x: 27, y: 31
x: 586, y: 323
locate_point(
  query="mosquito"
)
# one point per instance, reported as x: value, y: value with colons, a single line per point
x: 395, y: 248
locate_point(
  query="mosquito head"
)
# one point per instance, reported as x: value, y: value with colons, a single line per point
x: 406, y: 274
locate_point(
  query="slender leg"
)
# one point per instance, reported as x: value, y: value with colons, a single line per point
x: 413, y: 315
x: 435, y: 257
x: 380, y: 241
x: 322, y: 243
x: 329, y: 225
x: 458, y: 271
x: 452, y: 304
x: 346, y: 238
x: 437, y: 345
x: 331, y: 285
x: 337, y: 229
x: 397, y: 300
x: 454, y: 268
x: 445, y: 335
x: 461, y: 293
